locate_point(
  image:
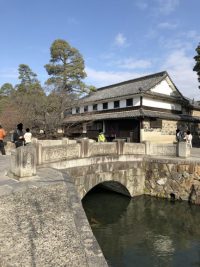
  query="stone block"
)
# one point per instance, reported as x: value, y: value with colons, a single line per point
x: 23, y: 161
x: 183, y: 150
x: 84, y: 142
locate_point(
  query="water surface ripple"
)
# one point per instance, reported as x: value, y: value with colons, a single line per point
x: 144, y: 231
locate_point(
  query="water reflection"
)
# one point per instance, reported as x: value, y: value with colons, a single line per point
x: 144, y: 231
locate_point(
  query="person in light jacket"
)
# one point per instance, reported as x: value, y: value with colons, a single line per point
x: 101, y: 137
x: 28, y: 136
x: 188, y: 138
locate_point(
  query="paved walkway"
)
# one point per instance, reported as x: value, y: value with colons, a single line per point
x: 42, y: 222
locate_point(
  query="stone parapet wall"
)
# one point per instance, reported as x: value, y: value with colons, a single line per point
x: 134, y: 148
x: 163, y: 149
x: 95, y: 149
x: 84, y: 148
x: 59, y: 142
x: 56, y: 153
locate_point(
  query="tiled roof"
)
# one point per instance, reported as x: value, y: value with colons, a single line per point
x: 128, y: 114
x: 126, y: 88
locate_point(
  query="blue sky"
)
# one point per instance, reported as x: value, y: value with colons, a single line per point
x: 118, y: 39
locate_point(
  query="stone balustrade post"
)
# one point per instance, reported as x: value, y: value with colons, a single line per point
x: 147, y: 147
x: 84, y: 142
x: 39, y: 153
x: 183, y: 150
x: 23, y: 161
x: 38, y: 147
x: 120, y: 146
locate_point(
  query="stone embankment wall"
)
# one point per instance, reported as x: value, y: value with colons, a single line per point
x: 173, y: 179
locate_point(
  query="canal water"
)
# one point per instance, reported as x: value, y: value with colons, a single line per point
x: 144, y: 231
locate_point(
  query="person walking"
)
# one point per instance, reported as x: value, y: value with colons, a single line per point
x: 18, y: 135
x: 27, y: 136
x: 2, y: 135
x: 178, y: 135
x: 101, y: 137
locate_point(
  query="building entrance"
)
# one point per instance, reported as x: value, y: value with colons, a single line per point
x: 128, y: 129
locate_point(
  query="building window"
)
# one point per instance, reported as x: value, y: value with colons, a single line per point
x: 85, y: 108
x: 77, y: 110
x: 156, y: 123
x: 95, y: 107
x: 105, y: 105
x: 129, y: 102
x: 116, y: 104
x: 67, y: 112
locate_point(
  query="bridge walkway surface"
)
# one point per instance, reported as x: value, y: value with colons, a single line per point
x: 42, y: 222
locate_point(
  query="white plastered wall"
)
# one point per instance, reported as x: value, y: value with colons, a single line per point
x: 165, y: 87
x: 160, y: 104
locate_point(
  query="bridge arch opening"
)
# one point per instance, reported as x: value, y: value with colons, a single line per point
x: 113, y: 186
x: 105, y: 203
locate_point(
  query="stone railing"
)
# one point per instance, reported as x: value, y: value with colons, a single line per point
x: 46, y: 152
x: 41, y: 152
x: 161, y: 149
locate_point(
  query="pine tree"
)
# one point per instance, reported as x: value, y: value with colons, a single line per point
x: 66, y: 67
x: 197, y: 59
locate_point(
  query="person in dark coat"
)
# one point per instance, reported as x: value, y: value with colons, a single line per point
x: 18, y: 135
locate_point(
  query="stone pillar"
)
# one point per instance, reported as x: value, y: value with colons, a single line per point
x: 84, y: 147
x: 23, y: 161
x: 141, y: 135
x: 39, y: 153
x: 38, y: 147
x: 120, y: 146
x: 183, y: 150
x: 147, y: 147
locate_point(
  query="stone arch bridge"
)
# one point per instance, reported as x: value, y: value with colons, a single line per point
x: 42, y: 221
x: 133, y: 169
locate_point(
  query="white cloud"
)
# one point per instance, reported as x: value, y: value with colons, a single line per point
x: 141, y: 4
x: 167, y: 6
x: 132, y: 63
x: 104, y: 78
x: 120, y: 40
x: 180, y: 67
x: 167, y: 25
